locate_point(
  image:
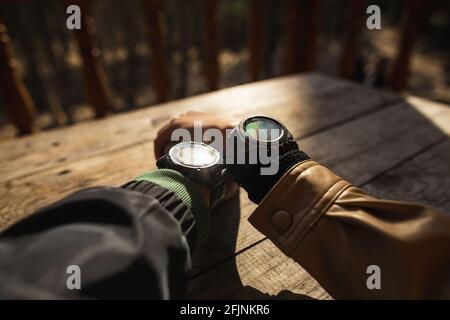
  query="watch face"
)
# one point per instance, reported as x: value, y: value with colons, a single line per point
x: 194, y: 155
x: 263, y: 129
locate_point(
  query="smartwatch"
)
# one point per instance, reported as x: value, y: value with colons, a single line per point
x: 264, y: 130
x: 252, y: 135
x: 200, y: 163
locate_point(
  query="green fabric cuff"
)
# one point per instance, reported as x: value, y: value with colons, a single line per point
x: 184, y: 189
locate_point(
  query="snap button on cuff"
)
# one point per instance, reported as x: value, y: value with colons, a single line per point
x: 281, y: 220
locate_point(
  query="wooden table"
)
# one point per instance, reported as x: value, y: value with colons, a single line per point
x: 392, y: 146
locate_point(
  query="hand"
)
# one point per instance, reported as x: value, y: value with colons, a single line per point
x: 186, y: 121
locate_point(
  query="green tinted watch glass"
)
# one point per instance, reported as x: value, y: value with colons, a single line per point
x: 262, y: 129
x: 249, y: 136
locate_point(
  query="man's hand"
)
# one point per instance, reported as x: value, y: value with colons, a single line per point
x: 186, y: 121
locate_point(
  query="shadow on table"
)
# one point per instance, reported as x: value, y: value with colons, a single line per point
x: 398, y: 151
x: 215, y: 277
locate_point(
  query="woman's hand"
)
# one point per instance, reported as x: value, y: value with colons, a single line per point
x: 186, y: 121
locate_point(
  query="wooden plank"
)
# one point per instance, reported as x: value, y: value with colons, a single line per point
x: 424, y: 179
x: 389, y: 137
x: 355, y: 154
x: 31, y: 192
x: 257, y: 274
x: 41, y: 189
x: 23, y: 195
x: 158, y: 67
x: 429, y: 121
x: 17, y: 100
x: 308, y: 102
x: 437, y: 113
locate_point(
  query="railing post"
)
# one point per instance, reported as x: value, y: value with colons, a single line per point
x: 311, y: 14
x: 291, y: 63
x: 300, y: 50
x: 158, y: 67
x: 96, y: 83
x: 184, y: 41
x: 18, y: 102
x: 272, y: 35
x: 415, y: 14
x: 354, y: 18
x: 256, y: 37
x: 210, y: 42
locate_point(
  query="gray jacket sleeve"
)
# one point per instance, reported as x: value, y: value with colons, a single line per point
x: 130, y: 242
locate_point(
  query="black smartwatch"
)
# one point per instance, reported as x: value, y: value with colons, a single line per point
x: 253, y: 138
x: 200, y: 163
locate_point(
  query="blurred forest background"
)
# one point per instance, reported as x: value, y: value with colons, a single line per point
x: 50, y: 64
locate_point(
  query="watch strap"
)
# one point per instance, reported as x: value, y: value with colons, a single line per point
x: 257, y: 186
x: 183, y: 188
x: 216, y: 185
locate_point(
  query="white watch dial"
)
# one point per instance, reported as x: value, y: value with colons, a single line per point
x: 194, y: 154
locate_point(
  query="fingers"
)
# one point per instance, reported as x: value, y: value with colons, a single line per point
x: 162, y: 139
x: 185, y: 120
x: 164, y: 134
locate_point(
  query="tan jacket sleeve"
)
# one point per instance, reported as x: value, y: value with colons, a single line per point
x: 336, y: 231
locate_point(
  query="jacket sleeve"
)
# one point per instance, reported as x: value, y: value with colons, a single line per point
x: 347, y: 239
x: 130, y: 242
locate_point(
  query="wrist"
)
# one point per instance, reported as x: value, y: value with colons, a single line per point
x: 270, y: 143
x: 199, y: 162
x: 189, y: 193
x: 258, y: 185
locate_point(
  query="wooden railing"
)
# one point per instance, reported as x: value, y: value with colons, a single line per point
x: 300, y: 51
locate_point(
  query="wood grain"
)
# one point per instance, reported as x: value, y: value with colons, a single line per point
x: 437, y: 113
x: 358, y: 159
x: 309, y: 102
x: 357, y: 132
x: 381, y: 151
x: 303, y: 113
x: 424, y: 179
x: 231, y: 230
x: 262, y: 273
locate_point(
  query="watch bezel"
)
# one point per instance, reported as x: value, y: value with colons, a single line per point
x: 176, y: 161
x: 245, y: 135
